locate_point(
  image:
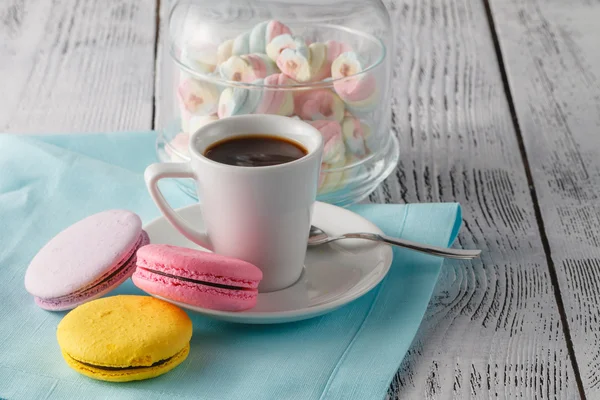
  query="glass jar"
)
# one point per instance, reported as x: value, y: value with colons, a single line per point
x: 321, y: 61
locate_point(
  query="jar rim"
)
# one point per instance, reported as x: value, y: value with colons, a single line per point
x: 294, y: 86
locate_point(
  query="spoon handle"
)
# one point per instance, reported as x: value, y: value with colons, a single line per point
x: 421, y: 247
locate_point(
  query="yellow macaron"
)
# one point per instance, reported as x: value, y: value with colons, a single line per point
x: 125, y: 338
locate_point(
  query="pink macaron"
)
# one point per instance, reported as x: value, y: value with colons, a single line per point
x: 86, y: 260
x: 197, y: 278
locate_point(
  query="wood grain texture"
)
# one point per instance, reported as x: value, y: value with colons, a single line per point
x: 76, y: 65
x: 163, y: 66
x: 552, y: 61
x: 492, y: 329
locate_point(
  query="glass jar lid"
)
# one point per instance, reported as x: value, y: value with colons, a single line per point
x: 203, y: 35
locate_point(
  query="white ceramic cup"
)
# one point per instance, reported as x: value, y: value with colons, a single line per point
x: 258, y: 214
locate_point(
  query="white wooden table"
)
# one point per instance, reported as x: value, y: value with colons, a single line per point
x: 496, y: 106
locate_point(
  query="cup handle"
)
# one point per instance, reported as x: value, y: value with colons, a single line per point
x: 156, y: 172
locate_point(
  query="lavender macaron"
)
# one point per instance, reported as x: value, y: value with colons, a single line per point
x: 86, y: 260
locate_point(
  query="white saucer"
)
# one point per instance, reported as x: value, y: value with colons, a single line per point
x: 333, y: 276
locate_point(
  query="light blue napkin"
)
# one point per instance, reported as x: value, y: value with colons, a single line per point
x: 50, y: 182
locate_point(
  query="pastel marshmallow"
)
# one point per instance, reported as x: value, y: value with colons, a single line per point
x: 241, y: 44
x: 346, y: 64
x: 263, y: 33
x: 194, y: 122
x: 333, y: 143
x: 239, y: 101
x: 312, y: 64
x: 279, y: 102
x: 356, y: 88
x: 285, y: 42
x: 332, y: 176
x: 320, y: 68
x: 319, y: 104
x: 224, y: 51
x: 247, y: 68
x: 360, y: 93
x: 322, y: 56
x: 371, y: 140
x: 178, y: 147
x: 335, y: 49
x: 354, y: 136
x: 198, y: 121
x: 197, y: 97
x: 200, y: 59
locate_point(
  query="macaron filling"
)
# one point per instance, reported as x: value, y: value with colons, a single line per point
x: 123, y: 271
x: 106, y: 368
x: 198, y: 282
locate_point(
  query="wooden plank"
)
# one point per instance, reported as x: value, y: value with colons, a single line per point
x: 162, y: 98
x: 553, y: 68
x: 76, y: 65
x: 492, y: 329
